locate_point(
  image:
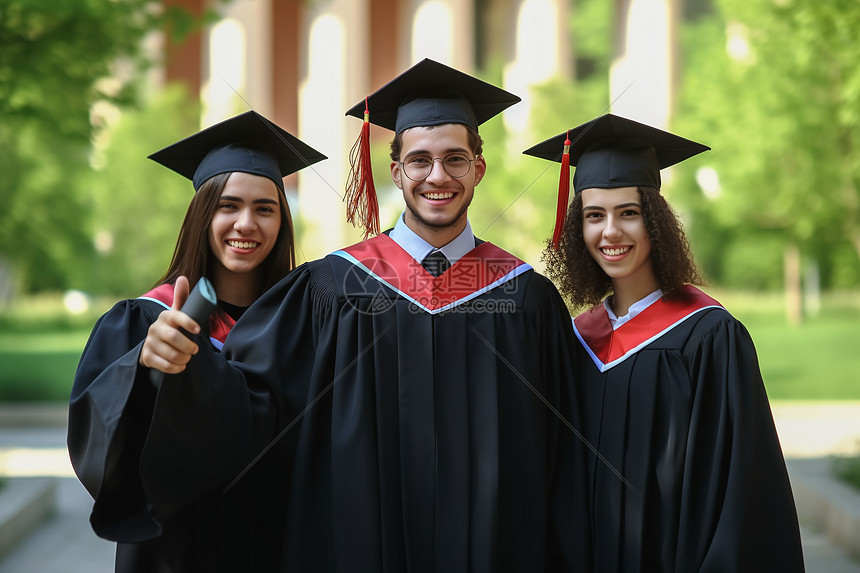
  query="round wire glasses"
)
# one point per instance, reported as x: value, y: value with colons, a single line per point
x: 418, y: 168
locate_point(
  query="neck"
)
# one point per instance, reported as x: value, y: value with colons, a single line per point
x: 436, y: 236
x: 237, y: 289
x: 626, y: 293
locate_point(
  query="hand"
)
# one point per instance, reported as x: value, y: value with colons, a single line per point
x: 166, y: 348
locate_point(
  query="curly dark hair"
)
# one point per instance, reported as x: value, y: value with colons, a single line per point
x: 581, y: 280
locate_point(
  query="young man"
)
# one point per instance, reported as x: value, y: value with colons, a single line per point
x: 425, y: 421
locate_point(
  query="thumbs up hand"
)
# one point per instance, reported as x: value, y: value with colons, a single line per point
x: 166, y: 348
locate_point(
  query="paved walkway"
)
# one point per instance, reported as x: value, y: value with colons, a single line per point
x: 66, y: 544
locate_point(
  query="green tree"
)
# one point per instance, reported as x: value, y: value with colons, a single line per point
x: 55, y: 56
x: 60, y: 60
x: 776, y: 86
x: 137, y: 206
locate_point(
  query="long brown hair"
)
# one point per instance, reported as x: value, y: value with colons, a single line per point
x: 581, y: 280
x: 192, y: 256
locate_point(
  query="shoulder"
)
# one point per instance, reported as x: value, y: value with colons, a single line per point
x: 154, y: 301
x: 126, y: 322
x: 540, y: 285
x: 143, y: 306
x: 539, y: 281
x: 712, y: 316
x: 715, y: 326
x: 162, y: 294
x: 541, y: 295
x: 313, y: 280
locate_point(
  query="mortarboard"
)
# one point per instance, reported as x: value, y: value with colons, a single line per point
x: 428, y: 93
x: 248, y: 142
x: 609, y: 152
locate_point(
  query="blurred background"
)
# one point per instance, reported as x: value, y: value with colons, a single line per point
x: 89, y: 88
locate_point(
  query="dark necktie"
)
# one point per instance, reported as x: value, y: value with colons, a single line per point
x: 436, y: 263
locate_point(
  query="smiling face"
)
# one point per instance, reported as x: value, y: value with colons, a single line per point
x: 436, y: 208
x: 245, y: 225
x: 614, y: 232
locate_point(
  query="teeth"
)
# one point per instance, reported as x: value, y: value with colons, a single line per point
x: 618, y: 251
x: 438, y: 195
x: 242, y: 244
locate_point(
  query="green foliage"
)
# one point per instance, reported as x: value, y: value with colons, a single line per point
x: 54, y: 56
x: 843, y: 268
x: 591, y: 23
x: 848, y: 469
x: 752, y: 260
x: 61, y: 63
x: 137, y: 206
x: 40, y: 223
x: 54, y: 52
x: 776, y: 88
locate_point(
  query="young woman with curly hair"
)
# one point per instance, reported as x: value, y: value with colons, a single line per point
x: 580, y: 278
x: 686, y: 471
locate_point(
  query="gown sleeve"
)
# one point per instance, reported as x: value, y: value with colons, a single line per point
x: 737, y: 509
x: 108, y: 417
x: 213, y: 421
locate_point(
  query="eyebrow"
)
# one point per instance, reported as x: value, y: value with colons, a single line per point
x: 451, y: 151
x: 621, y: 206
x: 255, y: 201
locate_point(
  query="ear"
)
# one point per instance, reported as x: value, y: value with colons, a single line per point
x: 396, y: 173
x: 480, y: 169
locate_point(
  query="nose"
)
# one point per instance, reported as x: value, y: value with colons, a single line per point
x: 245, y: 221
x: 612, y: 230
x: 437, y: 173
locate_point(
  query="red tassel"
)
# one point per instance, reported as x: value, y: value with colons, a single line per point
x: 360, y: 197
x: 563, y: 194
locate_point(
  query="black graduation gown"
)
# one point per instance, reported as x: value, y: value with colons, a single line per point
x: 112, y: 403
x: 427, y: 423
x: 681, y: 414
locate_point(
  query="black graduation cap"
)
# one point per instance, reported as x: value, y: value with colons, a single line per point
x: 428, y: 93
x: 611, y: 151
x: 248, y: 142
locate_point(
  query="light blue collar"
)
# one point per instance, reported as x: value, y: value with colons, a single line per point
x: 418, y: 248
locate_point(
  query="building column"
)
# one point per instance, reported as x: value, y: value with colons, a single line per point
x: 285, y: 48
x: 238, y: 56
x: 542, y: 51
x: 643, y: 73
x: 442, y: 30
x: 333, y: 76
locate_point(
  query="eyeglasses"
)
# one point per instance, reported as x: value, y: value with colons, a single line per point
x: 418, y: 168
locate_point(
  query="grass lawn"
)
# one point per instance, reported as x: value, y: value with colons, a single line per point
x: 817, y: 360
x: 40, y: 346
x: 39, y: 366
